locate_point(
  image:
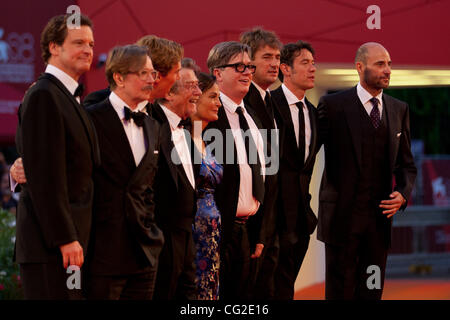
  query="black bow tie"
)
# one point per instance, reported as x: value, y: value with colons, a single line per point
x: 186, y: 123
x: 79, y: 90
x: 138, y: 117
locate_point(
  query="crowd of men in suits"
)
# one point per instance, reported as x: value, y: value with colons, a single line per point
x: 104, y: 193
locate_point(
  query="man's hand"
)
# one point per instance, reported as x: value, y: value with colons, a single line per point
x: 17, y: 171
x: 258, y: 250
x: 392, y: 205
x: 72, y: 254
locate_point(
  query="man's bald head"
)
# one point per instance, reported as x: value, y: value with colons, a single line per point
x: 373, y: 64
x: 363, y: 51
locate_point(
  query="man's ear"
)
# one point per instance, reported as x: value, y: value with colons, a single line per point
x: 169, y: 96
x: 118, y: 79
x: 359, y: 67
x: 53, y: 48
x: 218, y: 74
x: 285, y: 69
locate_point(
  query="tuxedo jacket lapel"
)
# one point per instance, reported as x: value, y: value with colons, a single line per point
x: 394, y: 127
x: 88, y: 126
x: 313, y: 142
x: 151, y: 132
x: 166, y: 139
x: 351, y: 109
x: 289, y: 132
x: 115, y: 132
x: 254, y: 102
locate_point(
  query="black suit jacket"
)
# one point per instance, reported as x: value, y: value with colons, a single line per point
x: 57, y: 143
x: 174, y: 210
x: 227, y: 192
x: 265, y: 218
x: 96, y: 97
x: 295, y: 174
x: 341, y: 131
x: 125, y: 236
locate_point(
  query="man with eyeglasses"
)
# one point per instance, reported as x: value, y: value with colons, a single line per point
x: 126, y: 242
x: 265, y: 55
x: 300, y: 145
x: 175, y: 190
x: 241, y: 191
x: 166, y: 56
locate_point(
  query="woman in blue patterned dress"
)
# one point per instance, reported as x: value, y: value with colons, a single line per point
x: 206, y: 229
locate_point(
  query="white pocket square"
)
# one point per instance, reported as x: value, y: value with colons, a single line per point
x: 156, y: 152
x: 399, y: 134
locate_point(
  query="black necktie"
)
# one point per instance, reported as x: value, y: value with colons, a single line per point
x: 79, y: 90
x: 186, y: 124
x: 257, y: 180
x: 375, y: 113
x: 301, y: 131
x: 138, y: 117
x: 269, y: 106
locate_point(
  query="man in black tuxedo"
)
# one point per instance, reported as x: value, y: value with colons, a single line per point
x: 175, y: 190
x: 166, y: 57
x: 300, y: 145
x: 265, y: 54
x: 59, y: 149
x: 125, y: 246
x: 367, y: 142
x: 241, y: 191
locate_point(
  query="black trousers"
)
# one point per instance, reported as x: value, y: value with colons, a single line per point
x: 290, y: 261
x: 175, y: 278
x: 266, y: 264
x: 49, y: 281
x: 138, y: 286
x: 347, y: 274
x: 235, y: 278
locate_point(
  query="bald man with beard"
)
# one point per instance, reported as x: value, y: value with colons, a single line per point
x: 367, y: 143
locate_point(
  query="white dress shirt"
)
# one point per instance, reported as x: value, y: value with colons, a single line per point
x: 70, y: 83
x: 247, y: 204
x: 181, y: 146
x: 364, y: 96
x: 292, y: 100
x: 135, y: 134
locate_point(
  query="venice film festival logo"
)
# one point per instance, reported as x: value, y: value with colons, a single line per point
x: 16, y: 57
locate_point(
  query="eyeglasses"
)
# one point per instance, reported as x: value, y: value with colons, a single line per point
x: 191, y: 86
x: 145, y: 74
x: 240, y: 67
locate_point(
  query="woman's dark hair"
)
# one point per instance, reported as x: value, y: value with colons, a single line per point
x: 205, y: 81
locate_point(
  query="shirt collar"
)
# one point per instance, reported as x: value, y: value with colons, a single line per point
x: 118, y: 105
x: 261, y: 91
x: 70, y: 83
x: 229, y: 104
x: 173, y: 118
x: 290, y: 97
x: 364, y: 95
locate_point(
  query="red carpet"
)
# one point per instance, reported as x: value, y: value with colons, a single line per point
x: 408, y: 289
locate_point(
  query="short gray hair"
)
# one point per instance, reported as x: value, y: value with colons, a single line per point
x: 223, y: 52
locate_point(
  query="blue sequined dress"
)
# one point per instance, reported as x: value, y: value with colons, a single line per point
x: 206, y: 229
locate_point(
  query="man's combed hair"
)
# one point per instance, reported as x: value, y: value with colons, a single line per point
x: 56, y: 31
x: 163, y: 52
x: 223, y: 52
x: 258, y: 38
x: 190, y: 63
x: 291, y: 51
x: 124, y: 60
